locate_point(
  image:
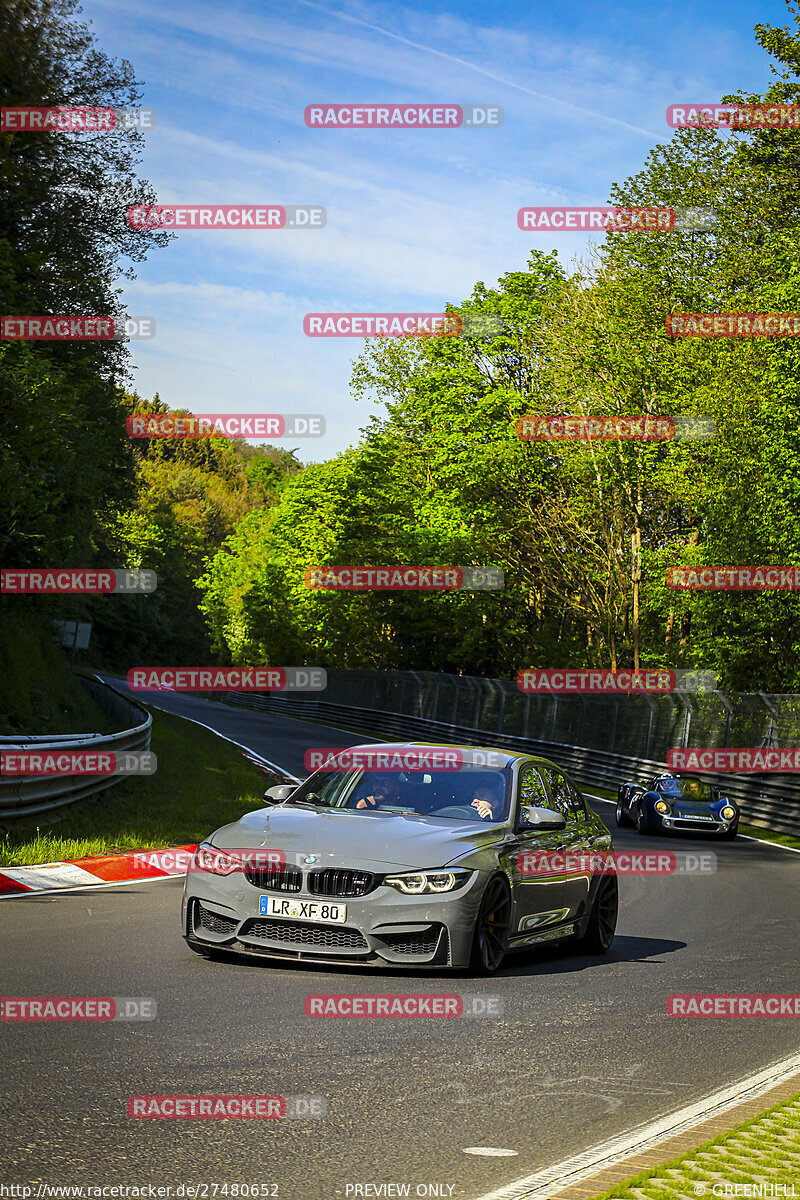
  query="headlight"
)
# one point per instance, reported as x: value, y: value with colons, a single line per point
x: 661, y: 806
x: 728, y: 813
x: 208, y: 858
x: 420, y: 882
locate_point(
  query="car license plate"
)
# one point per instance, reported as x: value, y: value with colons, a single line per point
x: 694, y: 817
x: 302, y: 910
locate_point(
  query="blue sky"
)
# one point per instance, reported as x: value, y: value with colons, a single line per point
x: 415, y: 218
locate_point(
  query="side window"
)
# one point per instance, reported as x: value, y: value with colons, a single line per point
x: 577, y: 800
x: 562, y: 793
x: 531, y: 789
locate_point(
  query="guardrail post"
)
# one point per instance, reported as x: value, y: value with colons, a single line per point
x: 651, y: 707
x: 478, y: 701
x: 728, y: 715
x: 771, y: 736
x: 552, y: 737
x: 612, y: 733
x: 435, y: 705
x: 582, y: 720
x: 456, y: 698
x: 415, y: 675
x: 502, y: 709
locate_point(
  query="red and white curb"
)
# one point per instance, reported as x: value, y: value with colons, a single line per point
x: 137, y: 865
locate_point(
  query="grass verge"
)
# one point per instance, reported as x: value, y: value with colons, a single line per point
x: 764, y: 1150
x: 201, y: 782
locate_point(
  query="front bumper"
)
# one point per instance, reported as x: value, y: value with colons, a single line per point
x: 689, y: 822
x: 383, y: 928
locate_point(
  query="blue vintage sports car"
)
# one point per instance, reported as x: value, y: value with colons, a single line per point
x: 672, y: 803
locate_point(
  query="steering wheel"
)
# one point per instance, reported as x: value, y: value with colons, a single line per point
x: 458, y: 810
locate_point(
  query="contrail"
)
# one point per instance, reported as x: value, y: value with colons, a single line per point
x: 463, y: 62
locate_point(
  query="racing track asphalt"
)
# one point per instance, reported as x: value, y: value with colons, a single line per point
x: 584, y: 1051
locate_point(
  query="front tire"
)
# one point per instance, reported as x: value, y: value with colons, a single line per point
x: 622, y: 820
x: 602, y: 923
x: 492, y: 926
x: 643, y: 823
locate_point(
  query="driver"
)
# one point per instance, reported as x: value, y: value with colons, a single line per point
x: 383, y: 789
x: 488, y: 804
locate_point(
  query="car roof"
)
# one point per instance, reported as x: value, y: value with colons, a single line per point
x: 507, y: 757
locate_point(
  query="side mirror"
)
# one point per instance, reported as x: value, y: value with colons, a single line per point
x: 280, y: 792
x: 540, y: 819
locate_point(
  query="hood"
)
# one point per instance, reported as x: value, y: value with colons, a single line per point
x: 370, y: 840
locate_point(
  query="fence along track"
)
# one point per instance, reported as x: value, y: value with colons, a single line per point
x: 601, y: 741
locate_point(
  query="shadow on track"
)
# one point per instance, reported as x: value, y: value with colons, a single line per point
x: 550, y: 961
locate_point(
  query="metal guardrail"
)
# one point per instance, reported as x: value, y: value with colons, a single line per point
x: 772, y: 803
x: 26, y: 795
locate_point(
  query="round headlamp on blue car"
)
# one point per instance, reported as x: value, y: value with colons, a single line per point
x: 661, y: 807
x: 728, y: 813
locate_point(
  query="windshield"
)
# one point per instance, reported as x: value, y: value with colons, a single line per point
x: 686, y: 789
x: 472, y: 795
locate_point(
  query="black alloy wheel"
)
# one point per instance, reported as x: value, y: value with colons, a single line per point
x: 492, y: 927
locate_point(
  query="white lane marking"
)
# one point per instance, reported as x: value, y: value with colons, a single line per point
x: 49, y: 875
x: 542, y: 1184
x: 491, y: 1151
x: 763, y: 842
x: 745, y: 837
